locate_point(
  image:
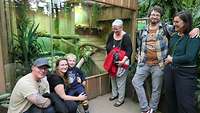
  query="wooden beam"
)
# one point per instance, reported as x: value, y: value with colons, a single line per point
x: 133, y: 38
x: 127, y: 4
x: 2, y: 37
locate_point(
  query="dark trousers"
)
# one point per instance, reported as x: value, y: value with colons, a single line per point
x: 35, y: 109
x: 76, y: 91
x: 180, y: 86
x: 71, y: 106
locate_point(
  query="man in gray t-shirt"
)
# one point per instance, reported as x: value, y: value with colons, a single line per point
x: 27, y: 93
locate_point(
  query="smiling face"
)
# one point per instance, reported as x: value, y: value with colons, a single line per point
x: 62, y: 66
x: 39, y: 72
x: 117, y: 29
x: 154, y: 17
x: 179, y: 24
x: 71, y: 62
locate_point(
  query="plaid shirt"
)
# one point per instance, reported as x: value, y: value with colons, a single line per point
x: 161, y: 45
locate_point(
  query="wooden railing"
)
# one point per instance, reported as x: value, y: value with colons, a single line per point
x: 97, y: 85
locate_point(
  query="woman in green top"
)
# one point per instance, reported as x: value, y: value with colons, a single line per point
x: 180, y: 73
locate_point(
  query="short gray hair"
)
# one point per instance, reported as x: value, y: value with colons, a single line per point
x: 117, y: 22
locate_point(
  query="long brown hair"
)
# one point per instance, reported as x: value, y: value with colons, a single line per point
x: 57, y: 72
x: 186, y: 17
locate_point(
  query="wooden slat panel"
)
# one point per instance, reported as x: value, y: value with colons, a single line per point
x: 126, y: 3
x: 129, y: 4
x: 92, y: 87
x: 97, y: 85
x: 105, y: 84
x: 110, y: 13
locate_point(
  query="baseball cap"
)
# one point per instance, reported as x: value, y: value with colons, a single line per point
x: 41, y: 62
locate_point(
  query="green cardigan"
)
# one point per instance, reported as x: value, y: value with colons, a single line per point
x: 184, y: 50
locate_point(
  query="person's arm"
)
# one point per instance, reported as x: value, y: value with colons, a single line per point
x: 193, y: 33
x: 81, y: 76
x: 59, y: 89
x: 39, y: 100
x: 84, y: 83
x: 127, y: 46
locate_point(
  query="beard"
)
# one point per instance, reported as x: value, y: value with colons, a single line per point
x: 154, y: 21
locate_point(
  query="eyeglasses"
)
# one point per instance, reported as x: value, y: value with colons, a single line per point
x: 116, y: 28
x: 157, y: 15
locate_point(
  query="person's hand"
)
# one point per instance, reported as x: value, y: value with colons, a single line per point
x: 168, y: 60
x: 136, y: 57
x: 194, y: 33
x: 79, y: 80
x: 82, y: 96
x: 84, y: 83
x: 120, y: 63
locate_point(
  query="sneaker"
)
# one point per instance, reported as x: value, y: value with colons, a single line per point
x: 113, y: 98
x: 149, y: 111
x: 118, y: 103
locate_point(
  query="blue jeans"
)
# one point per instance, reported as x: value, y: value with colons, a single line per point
x: 35, y: 109
x: 142, y: 72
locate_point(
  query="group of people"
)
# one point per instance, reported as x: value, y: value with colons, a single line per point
x: 58, y: 92
x: 164, y: 51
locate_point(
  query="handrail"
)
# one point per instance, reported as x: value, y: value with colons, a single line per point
x: 95, y: 76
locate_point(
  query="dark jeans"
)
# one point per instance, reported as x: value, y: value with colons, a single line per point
x: 71, y: 106
x: 76, y: 91
x: 180, y: 86
x: 35, y: 109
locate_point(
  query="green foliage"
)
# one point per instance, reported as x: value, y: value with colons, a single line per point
x: 96, y: 10
x: 25, y: 47
x: 171, y: 7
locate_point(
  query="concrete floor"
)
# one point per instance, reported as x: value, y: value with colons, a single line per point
x: 101, y: 104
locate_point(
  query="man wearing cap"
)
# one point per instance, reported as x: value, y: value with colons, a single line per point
x: 27, y: 96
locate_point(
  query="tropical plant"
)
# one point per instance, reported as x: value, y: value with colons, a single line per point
x: 25, y: 47
x: 171, y: 7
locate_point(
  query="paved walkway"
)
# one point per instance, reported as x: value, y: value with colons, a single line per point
x: 101, y: 104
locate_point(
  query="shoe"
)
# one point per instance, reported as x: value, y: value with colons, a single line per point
x: 149, y: 111
x: 118, y: 103
x: 113, y: 98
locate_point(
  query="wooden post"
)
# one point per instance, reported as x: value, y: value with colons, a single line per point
x: 2, y: 37
x: 133, y: 38
x: 4, y: 34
